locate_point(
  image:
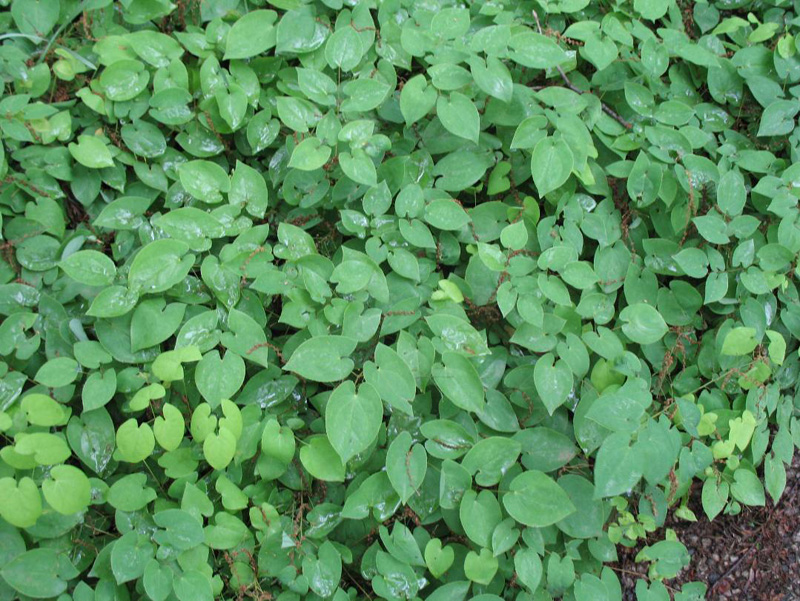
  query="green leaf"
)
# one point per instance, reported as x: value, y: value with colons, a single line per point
x: 321, y: 460
x: 731, y: 193
x: 739, y: 341
x: 159, y: 266
x: 777, y: 347
x: 450, y: 23
x: 157, y: 580
x: 480, y: 568
x: 278, y: 442
x: 742, y: 429
x: 406, y: 465
x: 446, y: 214
x: 642, y: 323
x: 36, y: 573
x: 58, y: 372
x: 417, y: 99
x: 232, y: 105
x: 714, y: 497
x: 551, y: 164
x: 219, y: 448
x: 130, y: 493
x: 309, y: 155
x: 193, y: 586
x: 169, y: 429
x: 217, y: 378
x: 618, y: 467
x: 89, y: 267
x: 535, y: 51
x: 251, y: 35
x: 248, y: 189
x: 323, y: 358
x: 204, y: 180
x: 124, y: 80
x: 91, y: 152
x: 130, y: 555
x: 534, y: 499
x: 157, y: 49
x: 528, y: 566
x: 438, y: 558
x: 41, y: 410
x: 324, y: 572
x: 343, y: 49
x: 20, y: 502
x: 778, y: 118
x: 36, y: 17
x: 651, y: 9
x: 353, y: 419
x: 135, y: 442
x: 154, y: 322
x: 459, y: 382
x: 747, y: 488
x: 553, y: 381
x: 774, y: 477
x: 181, y: 530
x: 67, y: 490
x: 358, y: 167
x: 459, y: 116
x: 493, y: 77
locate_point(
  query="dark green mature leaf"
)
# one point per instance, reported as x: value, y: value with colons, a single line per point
x: 36, y: 573
x: 534, y: 499
x: 251, y: 35
x: 323, y: 358
x: 352, y: 418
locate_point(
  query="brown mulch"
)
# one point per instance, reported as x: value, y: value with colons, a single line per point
x: 753, y: 556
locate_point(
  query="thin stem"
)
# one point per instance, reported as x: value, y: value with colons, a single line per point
x: 76, y: 13
x: 27, y: 36
x: 606, y: 109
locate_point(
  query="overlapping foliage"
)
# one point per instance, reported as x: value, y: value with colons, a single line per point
x: 390, y: 299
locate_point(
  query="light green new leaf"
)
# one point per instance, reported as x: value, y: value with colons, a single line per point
x: 67, y: 490
x: 219, y: 448
x: 321, y: 460
x: 168, y: 430
x: 135, y: 442
x: 91, y: 152
x: 20, y: 502
x: 739, y: 341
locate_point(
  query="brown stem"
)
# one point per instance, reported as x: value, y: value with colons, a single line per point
x: 606, y: 109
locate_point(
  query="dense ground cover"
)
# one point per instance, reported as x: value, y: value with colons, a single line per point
x: 391, y: 299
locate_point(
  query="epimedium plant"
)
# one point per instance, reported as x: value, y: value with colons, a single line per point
x: 390, y: 299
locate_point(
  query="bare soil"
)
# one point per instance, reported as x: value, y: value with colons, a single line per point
x: 753, y: 556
